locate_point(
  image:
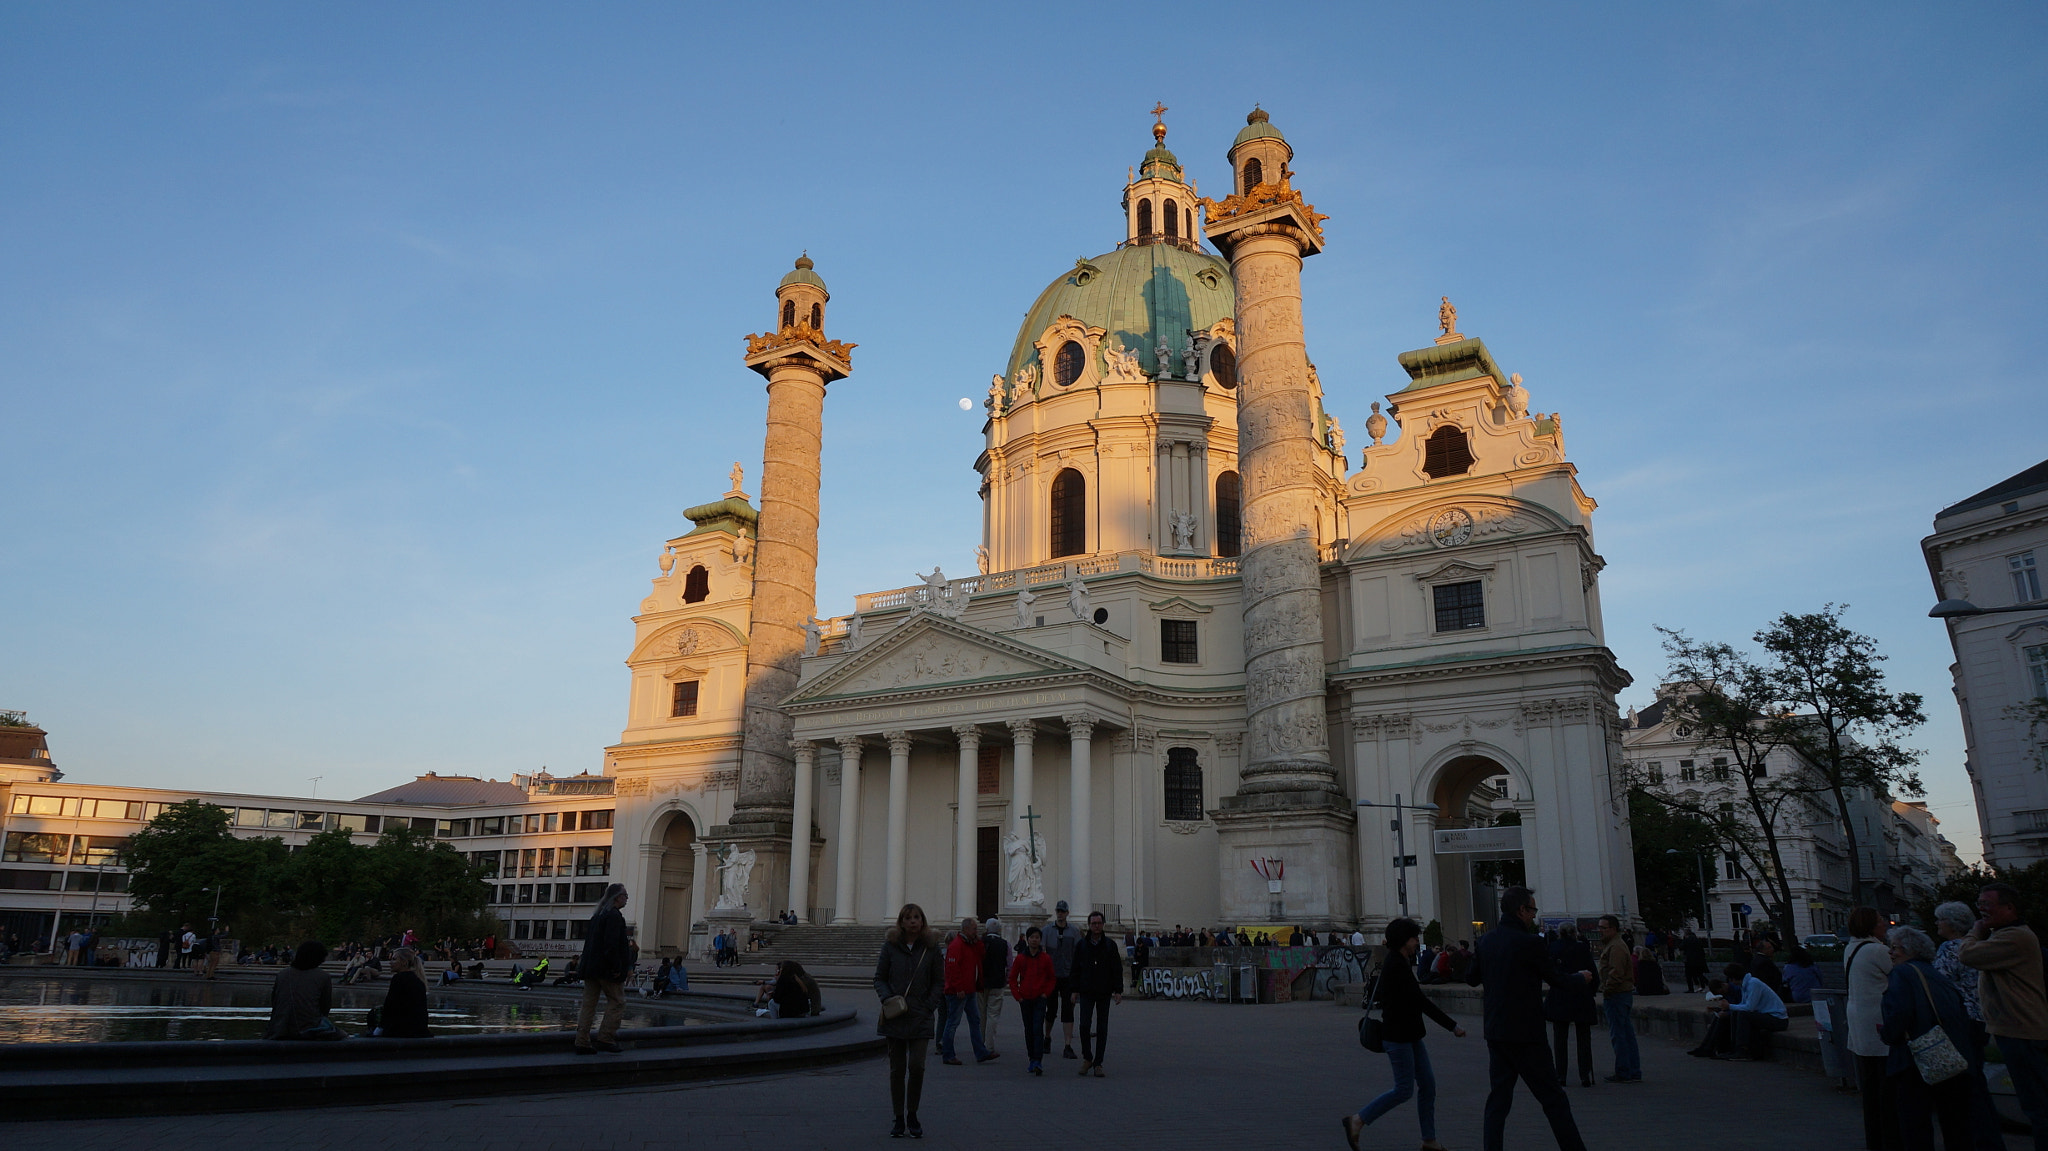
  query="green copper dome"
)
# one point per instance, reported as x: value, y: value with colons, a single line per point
x: 804, y: 275
x: 1257, y: 126
x: 1140, y: 293
x: 1161, y: 164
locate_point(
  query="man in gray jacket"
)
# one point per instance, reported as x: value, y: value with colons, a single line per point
x: 1060, y: 939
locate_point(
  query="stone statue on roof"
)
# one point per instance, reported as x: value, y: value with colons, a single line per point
x: 1077, y: 599
x: 1447, y: 317
x: 1024, y: 602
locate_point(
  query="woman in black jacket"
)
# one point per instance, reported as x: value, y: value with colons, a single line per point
x: 1402, y: 1006
x: 910, y: 983
x: 405, y: 1004
x: 1570, y: 1004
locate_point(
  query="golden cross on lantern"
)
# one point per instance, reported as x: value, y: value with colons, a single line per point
x: 1159, y: 112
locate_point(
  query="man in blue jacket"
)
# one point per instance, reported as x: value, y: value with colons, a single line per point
x: 1512, y: 964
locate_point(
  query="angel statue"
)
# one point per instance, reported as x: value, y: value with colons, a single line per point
x: 1183, y: 525
x: 1077, y: 599
x: 1123, y: 363
x: 743, y: 548
x: 1447, y: 317
x: 1336, y: 435
x: 735, y: 868
x: 1164, y: 355
x: 738, y: 473
x: 814, y: 635
x: 1026, y: 871
x: 852, y: 641
x: 1024, y: 602
x: 981, y: 558
x: 995, y: 395
x: 1190, y: 360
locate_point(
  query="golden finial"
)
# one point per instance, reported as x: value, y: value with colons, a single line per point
x: 1159, y: 112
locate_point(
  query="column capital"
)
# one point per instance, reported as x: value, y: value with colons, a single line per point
x: 849, y: 744
x: 1023, y: 731
x: 806, y: 751
x: 1080, y: 725
x: 968, y: 734
x: 899, y: 742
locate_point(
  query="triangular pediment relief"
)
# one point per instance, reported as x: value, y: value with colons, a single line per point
x: 1445, y: 524
x: 1180, y: 603
x: 1456, y: 569
x: 929, y: 651
x: 688, y: 637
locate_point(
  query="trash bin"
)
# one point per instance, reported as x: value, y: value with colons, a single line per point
x: 1831, y: 1017
x: 1220, y: 989
x: 1248, y: 983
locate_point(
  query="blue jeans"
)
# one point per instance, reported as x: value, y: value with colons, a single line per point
x: 958, y: 1006
x: 2026, y: 1060
x: 1412, y: 1076
x: 1621, y: 1031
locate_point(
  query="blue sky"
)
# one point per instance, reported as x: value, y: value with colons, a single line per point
x: 356, y: 362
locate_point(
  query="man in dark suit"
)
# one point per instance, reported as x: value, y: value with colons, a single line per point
x: 1512, y: 964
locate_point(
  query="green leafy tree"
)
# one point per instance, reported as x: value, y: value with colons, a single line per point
x: 421, y: 884
x: 187, y: 861
x: 1668, y: 886
x: 327, y: 893
x: 1838, y: 715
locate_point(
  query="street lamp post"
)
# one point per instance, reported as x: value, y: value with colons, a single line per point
x: 1400, y: 841
x: 1955, y: 608
x: 1705, y: 924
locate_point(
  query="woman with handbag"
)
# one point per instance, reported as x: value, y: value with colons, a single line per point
x: 910, y: 982
x: 1934, y: 1052
x: 1867, y: 965
x: 1400, y: 1031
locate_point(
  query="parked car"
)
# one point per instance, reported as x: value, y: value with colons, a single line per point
x: 1823, y: 946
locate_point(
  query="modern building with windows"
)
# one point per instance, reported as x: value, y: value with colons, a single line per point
x: 544, y: 844
x: 1167, y: 501
x: 1990, y: 550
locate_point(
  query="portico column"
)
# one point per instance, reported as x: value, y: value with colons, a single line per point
x: 699, y: 875
x: 849, y: 828
x: 800, y: 831
x: 965, y: 823
x: 899, y: 819
x: 1080, y: 729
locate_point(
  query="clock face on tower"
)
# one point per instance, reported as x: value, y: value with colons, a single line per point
x: 1451, y: 527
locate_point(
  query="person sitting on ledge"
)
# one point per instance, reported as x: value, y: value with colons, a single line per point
x: 301, y: 997
x: 405, y: 1004
x: 570, y: 976
x: 1743, y: 1022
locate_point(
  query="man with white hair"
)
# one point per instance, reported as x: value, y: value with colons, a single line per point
x: 995, y: 978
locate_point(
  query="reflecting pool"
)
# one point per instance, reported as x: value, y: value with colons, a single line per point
x: 58, y: 1010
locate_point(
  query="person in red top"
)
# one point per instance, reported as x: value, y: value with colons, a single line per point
x: 963, y: 980
x: 1032, y: 984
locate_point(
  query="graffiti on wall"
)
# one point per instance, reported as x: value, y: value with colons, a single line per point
x: 1179, y: 982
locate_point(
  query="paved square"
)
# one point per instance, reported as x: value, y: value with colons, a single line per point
x: 1193, y: 1073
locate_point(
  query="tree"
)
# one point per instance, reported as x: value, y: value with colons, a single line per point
x: 1838, y: 716
x: 1668, y: 886
x: 187, y: 861
x: 1963, y: 886
x: 419, y: 883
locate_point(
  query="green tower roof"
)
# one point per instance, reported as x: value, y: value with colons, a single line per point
x: 1257, y: 126
x: 1139, y: 294
x: 804, y: 275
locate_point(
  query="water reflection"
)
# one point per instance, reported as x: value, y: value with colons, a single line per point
x: 56, y: 1010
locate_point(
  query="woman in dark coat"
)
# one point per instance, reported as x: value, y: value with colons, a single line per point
x: 1402, y: 1006
x: 794, y: 993
x: 301, y: 997
x: 405, y: 1004
x: 1570, y: 1004
x: 910, y: 983
x: 1916, y: 998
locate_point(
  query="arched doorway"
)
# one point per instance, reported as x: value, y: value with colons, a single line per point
x: 678, y: 871
x: 1474, y: 792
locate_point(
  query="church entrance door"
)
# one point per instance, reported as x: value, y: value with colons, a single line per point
x: 988, y: 872
x: 678, y: 870
x: 1469, y: 885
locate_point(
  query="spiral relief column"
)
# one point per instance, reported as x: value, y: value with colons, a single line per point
x: 1287, y: 791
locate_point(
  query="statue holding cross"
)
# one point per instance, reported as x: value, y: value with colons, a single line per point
x: 1026, y: 871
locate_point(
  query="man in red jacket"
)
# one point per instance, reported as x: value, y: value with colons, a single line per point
x: 963, y: 983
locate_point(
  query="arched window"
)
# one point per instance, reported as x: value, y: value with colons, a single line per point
x: 1183, y: 784
x: 818, y: 317
x: 1446, y: 453
x: 697, y: 585
x: 1066, y: 367
x: 1254, y: 174
x: 1069, y: 514
x: 1172, y: 218
x: 1229, y: 520
x: 1145, y: 217
x: 789, y: 313
x: 1223, y: 365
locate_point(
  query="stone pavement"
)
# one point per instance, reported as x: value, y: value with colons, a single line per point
x: 1185, y: 1072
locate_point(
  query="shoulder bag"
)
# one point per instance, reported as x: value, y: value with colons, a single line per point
x: 1373, y: 1020
x: 1934, y: 1053
x: 897, y: 1004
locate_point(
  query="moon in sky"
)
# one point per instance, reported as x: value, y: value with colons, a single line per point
x: 966, y: 404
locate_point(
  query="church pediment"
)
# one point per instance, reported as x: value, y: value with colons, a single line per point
x: 930, y: 652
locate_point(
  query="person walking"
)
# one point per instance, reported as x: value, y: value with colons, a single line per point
x: 1867, y: 965
x: 1402, y: 1006
x: 1618, y: 999
x: 1952, y: 922
x: 1695, y: 951
x: 1570, y: 1006
x: 405, y: 1001
x: 995, y: 978
x: 910, y: 983
x: 1032, y: 984
x: 2007, y: 957
x: 605, y: 963
x: 1097, y: 975
x: 1060, y: 939
x: 1916, y: 1000
x: 964, y: 953
x: 1513, y: 965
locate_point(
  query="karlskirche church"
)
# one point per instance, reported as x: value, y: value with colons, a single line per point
x: 1214, y: 671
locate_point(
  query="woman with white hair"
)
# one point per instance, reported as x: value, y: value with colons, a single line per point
x: 1952, y: 922
x: 1916, y: 1001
